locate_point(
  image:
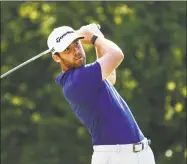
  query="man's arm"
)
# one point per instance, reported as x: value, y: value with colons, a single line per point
x: 111, y: 58
x: 112, y: 76
x: 112, y: 55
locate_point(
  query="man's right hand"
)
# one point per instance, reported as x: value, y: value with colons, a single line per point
x: 88, y: 31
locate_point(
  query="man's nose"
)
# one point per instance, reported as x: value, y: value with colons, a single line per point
x: 76, y: 50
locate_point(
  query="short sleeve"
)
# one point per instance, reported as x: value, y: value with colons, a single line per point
x: 87, y: 81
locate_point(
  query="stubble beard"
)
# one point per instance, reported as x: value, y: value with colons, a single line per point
x: 73, y: 64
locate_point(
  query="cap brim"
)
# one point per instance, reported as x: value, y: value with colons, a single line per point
x: 80, y: 37
x: 66, y: 42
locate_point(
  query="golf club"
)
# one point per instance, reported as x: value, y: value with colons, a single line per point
x: 30, y: 60
x: 25, y: 63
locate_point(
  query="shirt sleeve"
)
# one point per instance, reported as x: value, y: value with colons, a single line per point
x: 87, y: 81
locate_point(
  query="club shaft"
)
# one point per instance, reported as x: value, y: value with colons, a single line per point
x: 25, y: 63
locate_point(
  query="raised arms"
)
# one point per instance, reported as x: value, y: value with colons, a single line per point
x: 110, y: 55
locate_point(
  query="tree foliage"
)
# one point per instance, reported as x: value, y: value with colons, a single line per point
x: 37, y: 124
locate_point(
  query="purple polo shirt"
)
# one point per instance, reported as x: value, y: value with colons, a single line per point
x: 99, y: 106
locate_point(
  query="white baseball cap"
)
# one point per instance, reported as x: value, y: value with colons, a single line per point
x: 60, y: 38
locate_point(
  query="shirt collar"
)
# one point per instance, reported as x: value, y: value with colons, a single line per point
x: 59, y: 78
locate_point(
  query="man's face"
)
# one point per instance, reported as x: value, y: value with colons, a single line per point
x: 73, y: 56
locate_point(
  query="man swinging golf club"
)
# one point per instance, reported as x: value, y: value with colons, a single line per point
x: 89, y: 89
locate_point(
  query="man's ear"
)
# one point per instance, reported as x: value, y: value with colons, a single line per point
x: 56, y: 58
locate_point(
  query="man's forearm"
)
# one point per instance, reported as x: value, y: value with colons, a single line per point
x: 112, y: 76
x: 111, y: 55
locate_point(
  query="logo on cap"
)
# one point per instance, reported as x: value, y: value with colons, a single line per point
x: 53, y: 50
x: 59, y: 38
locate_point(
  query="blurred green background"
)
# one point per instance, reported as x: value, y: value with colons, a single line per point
x: 37, y: 125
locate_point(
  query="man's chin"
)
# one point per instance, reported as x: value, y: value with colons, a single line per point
x: 79, y: 65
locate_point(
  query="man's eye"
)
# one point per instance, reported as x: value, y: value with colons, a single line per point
x: 77, y: 43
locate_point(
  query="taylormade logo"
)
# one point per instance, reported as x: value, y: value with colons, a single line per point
x: 53, y: 49
x: 59, y: 38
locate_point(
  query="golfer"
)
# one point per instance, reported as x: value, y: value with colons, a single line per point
x: 89, y: 89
